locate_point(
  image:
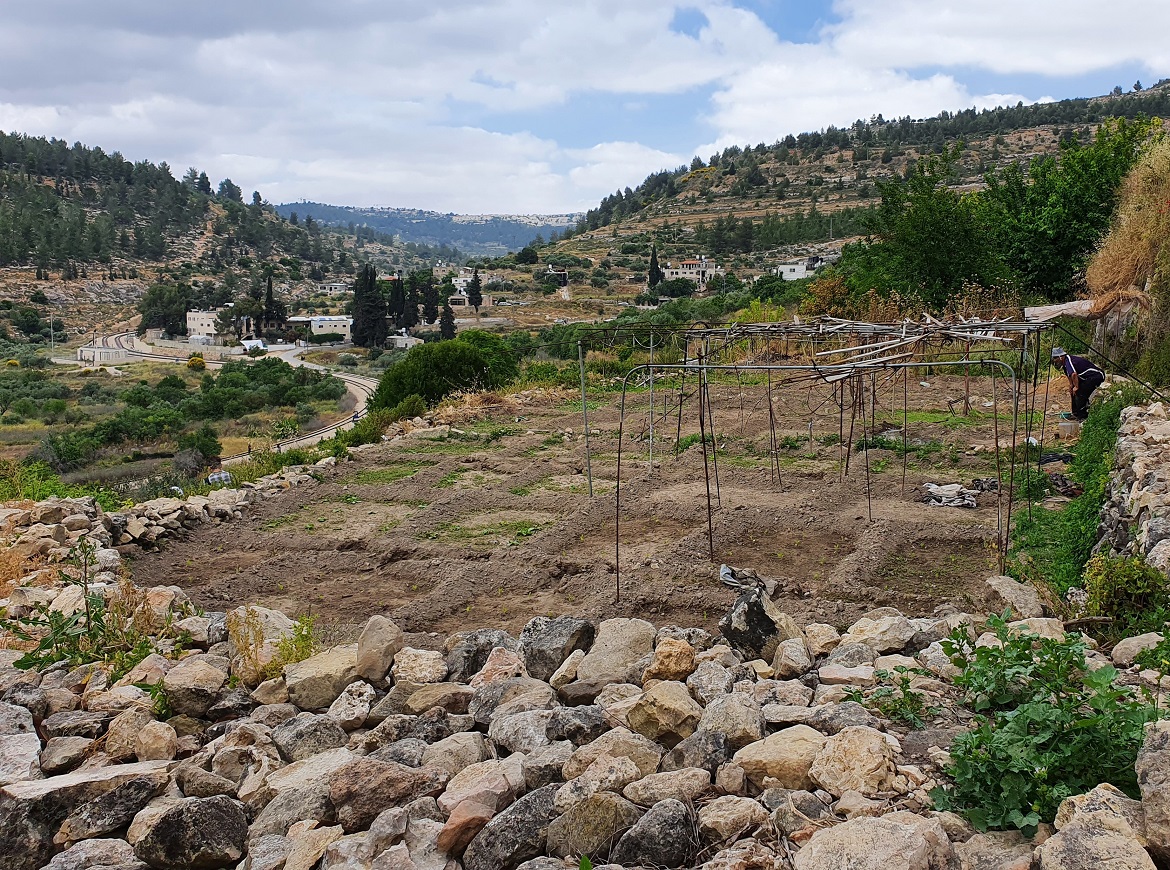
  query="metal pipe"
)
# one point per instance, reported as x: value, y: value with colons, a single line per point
x: 585, y: 416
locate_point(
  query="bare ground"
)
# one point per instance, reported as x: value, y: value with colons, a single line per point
x: 494, y: 527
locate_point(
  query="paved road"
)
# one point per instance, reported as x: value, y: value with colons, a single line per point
x: 361, y: 388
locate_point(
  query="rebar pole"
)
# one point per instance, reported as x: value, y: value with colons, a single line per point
x: 651, y: 403
x: 585, y: 417
x: 905, y: 422
x: 865, y: 441
x: 1000, y: 543
x: 706, y: 468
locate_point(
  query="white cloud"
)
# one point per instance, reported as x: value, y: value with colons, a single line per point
x: 439, y: 105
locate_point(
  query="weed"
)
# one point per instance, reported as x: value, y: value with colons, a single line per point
x: 449, y: 479
x: 160, y: 703
x: 1132, y: 593
x: 1049, y: 727
x: 894, y: 698
x: 688, y: 441
x: 293, y: 648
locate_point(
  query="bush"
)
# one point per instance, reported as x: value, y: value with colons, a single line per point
x: 196, y: 363
x: 409, y: 408
x: 1048, y: 728
x: 432, y: 371
x: 369, y: 429
x: 1134, y: 594
x: 348, y: 360
x: 498, y: 354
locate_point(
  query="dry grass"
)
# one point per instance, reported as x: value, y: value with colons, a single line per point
x: 467, y: 407
x: 1127, y: 260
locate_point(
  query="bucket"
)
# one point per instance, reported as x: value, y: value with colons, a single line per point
x: 1069, y: 429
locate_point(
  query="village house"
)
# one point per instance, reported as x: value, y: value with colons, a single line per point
x: 463, y: 279
x: 458, y: 301
x: 699, y: 271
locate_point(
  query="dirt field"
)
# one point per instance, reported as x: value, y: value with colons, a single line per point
x: 494, y: 524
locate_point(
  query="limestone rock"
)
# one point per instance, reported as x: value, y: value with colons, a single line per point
x: 703, y: 749
x: 619, y: 647
x: 606, y: 773
x: 785, y: 756
x: 380, y: 640
x: 545, y: 644
x: 192, y: 686
x: 995, y: 850
x: 418, y: 666
x: 898, y: 841
x: 674, y: 659
x: 884, y: 634
x: 366, y: 786
x: 494, y: 784
x: 196, y: 834
x: 306, y: 735
x: 515, y: 835
x: 856, y: 759
x: 1085, y: 846
x: 755, y: 625
x: 709, y: 681
x: 1153, y: 774
x: 1022, y: 598
x: 820, y: 638
x: 464, y: 823
x: 1126, y: 650
x: 687, y: 784
x: 567, y: 672
x: 501, y: 664
x: 643, y: 752
x: 1105, y: 806
x: 103, y: 853
x: 592, y: 826
x: 62, y: 754
x: 664, y: 837
x: 352, y: 707
x: 456, y: 752
x: 468, y: 651
x: 157, y: 741
x: 840, y: 675
x: 730, y: 816
x: 106, y: 814
x: 736, y: 716
x: 791, y: 659
x: 316, y: 682
x: 452, y: 697
x: 666, y: 713
x: 18, y: 757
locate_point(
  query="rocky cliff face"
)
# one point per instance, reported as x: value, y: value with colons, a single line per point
x: 1135, y: 519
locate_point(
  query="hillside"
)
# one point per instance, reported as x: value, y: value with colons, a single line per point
x: 490, y: 235
x: 91, y: 230
x: 805, y: 192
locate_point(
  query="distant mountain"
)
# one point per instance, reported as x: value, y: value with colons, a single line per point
x: 487, y: 234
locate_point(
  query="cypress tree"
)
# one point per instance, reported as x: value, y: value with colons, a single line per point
x: 430, y: 299
x: 447, y: 323
x: 655, y: 274
x: 397, y: 302
x: 410, y: 306
x: 369, y: 309
x: 475, y: 291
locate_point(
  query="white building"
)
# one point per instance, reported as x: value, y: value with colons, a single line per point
x: 333, y: 288
x: 401, y: 341
x: 324, y: 324
x: 100, y: 356
x: 459, y: 301
x: 699, y: 271
x: 202, y: 323
x: 463, y: 279
x: 792, y: 271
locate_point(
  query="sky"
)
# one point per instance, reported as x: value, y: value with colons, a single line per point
x: 517, y: 106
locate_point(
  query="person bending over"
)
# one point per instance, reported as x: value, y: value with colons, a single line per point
x: 1083, y: 378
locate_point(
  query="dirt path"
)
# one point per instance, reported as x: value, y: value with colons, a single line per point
x: 495, y: 525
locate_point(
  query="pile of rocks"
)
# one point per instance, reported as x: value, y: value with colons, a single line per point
x: 640, y: 746
x: 1135, y: 519
x: 49, y: 529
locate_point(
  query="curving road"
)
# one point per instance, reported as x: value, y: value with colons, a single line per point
x: 361, y: 388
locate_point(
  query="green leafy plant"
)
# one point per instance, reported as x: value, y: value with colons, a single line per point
x: 894, y: 698
x: 295, y: 647
x: 1134, y: 594
x: 160, y: 703
x: 1049, y: 727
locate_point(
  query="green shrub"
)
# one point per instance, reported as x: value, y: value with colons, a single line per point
x: 432, y: 371
x: 1134, y: 594
x: 409, y: 408
x: 498, y: 355
x: 1048, y: 728
x: 369, y: 429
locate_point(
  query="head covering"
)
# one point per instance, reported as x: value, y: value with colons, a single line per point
x: 1058, y: 352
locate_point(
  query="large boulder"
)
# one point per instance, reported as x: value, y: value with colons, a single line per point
x: 617, y: 652
x: 469, y: 651
x: 380, y: 640
x: 109, y: 812
x: 18, y: 757
x: 255, y: 634
x: 688, y: 784
x: 666, y: 713
x: 515, y: 835
x: 664, y: 837
x: 196, y: 834
x: 728, y: 817
x: 364, y: 787
x: 1022, y: 598
x: 883, y: 635
x: 736, y: 716
x: 1153, y: 773
x: 674, y: 659
x: 307, y: 735
x: 316, y: 682
x: 546, y: 643
x: 858, y: 759
x: 755, y: 625
x: 898, y: 841
x: 31, y: 812
x: 645, y: 753
x: 592, y: 826
x: 193, y: 685
x: 785, y: 756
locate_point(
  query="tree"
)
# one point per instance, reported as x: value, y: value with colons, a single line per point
x: 475, y: 291
x: 204, y: 184
x: 369, y: 309
x: 1137, y: 86
x: 230, y: 190
x: 447, y: 323
x: 275, y: 311
x: 397, y: 302
x: 164, y: 306
x: 430, y: 300
x: 655, y: 275
x: 499, y: 358
x: 527, y: 256
x: 431, y: 371
x: 410, y: 305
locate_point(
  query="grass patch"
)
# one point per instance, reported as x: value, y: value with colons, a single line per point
x: 508, y: 533
x: 389, y: 474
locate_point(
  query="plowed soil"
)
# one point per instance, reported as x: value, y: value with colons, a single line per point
x: 494, y: 524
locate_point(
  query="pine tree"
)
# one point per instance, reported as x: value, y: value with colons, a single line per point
x: 656, y: 275
x: 410, y: 306
x: 369, y: 309
x: 475, y: 291
x: 447, y: 322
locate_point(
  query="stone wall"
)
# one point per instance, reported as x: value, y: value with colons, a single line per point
x: 1135, y: 519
